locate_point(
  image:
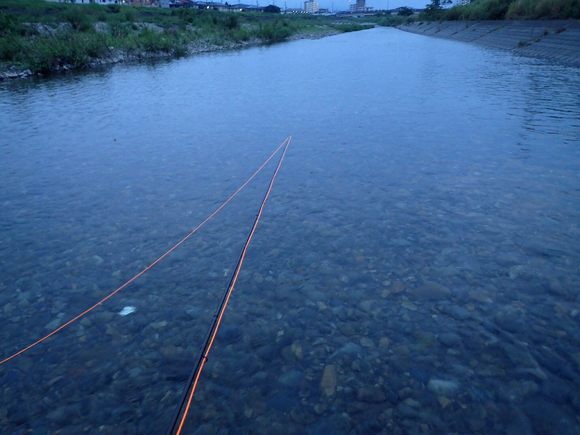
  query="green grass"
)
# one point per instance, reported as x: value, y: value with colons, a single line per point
x: 491, y: 10
x: 45, y: 36
x: 387, y: 20
x: 274, y: 31
x: 345, y: 28
x: 509, y: 10
x: 538, y: 9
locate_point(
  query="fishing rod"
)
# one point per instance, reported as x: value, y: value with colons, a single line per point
x: 180, y: 414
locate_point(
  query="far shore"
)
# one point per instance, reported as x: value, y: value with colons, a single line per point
x: 39, y: 37
x: 194, y: 48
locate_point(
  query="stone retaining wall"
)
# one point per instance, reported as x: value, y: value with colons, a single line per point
x: 556, y: 40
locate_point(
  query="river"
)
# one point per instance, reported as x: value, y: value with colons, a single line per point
x: 416, y: 269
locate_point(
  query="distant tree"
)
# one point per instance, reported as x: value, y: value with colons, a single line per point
x: 437, y: 5
x: 406, y: 11
x: 272, y: 9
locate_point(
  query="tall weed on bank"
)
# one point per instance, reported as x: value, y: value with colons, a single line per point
x: 511, y: 10
x: 79, y: 19
x: 551, y: 9
x: 272, y: 32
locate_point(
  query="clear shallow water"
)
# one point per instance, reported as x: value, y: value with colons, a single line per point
x: 420, y: 245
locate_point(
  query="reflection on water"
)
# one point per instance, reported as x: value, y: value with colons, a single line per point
x: 416, y: 269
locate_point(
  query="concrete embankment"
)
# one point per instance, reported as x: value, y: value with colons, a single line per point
x: 556, y: 40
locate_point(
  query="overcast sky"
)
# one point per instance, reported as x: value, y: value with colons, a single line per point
x: 342, y: 5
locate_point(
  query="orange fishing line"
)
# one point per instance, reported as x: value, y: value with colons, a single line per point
x: 148, y: 267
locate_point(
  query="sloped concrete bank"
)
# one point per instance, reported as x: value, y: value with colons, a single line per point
x: 555, y: 40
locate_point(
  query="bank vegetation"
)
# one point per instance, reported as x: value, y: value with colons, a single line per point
x: 480, y: 10
x: 39, y: 37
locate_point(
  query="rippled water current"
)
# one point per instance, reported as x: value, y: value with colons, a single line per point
x: 416, y: 269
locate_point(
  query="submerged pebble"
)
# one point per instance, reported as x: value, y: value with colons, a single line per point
x: 126, y: 311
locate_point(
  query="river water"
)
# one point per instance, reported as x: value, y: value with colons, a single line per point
x: 416, y: 269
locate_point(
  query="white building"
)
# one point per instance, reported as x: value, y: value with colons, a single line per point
x: 359, y: 6
x: 311, y: 7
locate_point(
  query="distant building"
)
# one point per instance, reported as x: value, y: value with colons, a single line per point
x: 207, y: 5
x: 143, y: 3
x: 311, y: 7
x: 359, y: 6
x: 211, y: 5
x: 177, y: 4
x: 101, y: 2
x: 240, y: 7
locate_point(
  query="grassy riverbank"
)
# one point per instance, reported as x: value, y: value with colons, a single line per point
x: 513, y: 10
x: 42, y: 37
x: 481, y: 10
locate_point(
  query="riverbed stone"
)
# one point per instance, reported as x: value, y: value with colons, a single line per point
x: 384, y: 342
x: 457, y: 312
x: 510, y: 319
x: 476, y: 418
x: 292, y: 378
x: 449, y: 339
x: 371, y: 394
x: 430, y: 291
x: 442, y: 387
x: 366, y: 342
x: 52, y: 325
x: 397, y: 287
x: 329, y: 381
x: 549, y: 418
x: 347, y: 329
x: 349, y: 349
x: 412, y: 403
x: 407, y: 411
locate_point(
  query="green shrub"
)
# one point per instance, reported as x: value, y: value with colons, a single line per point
x: 149, y: 41
x: 232, y: 22
x: 240, y: 35
x: 550, y: 9
x: 512, y: 10
x: 119, y: 30
x: 97, y: 45
x: 392, y: 21
x: 345, y: 28
x: 48, y: 54
x: 79, y: 19
x: 272, y: 32
x: 6, y: 23
x: 11, y: 48
x: 129, y: 13
x: 454, y: 14
x: 406, y: 11
x: 113, y: 9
